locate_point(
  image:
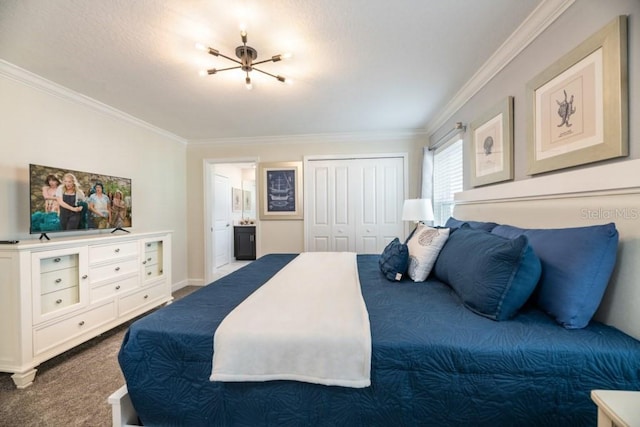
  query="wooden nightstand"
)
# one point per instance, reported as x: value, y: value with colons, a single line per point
x: 617, y: 407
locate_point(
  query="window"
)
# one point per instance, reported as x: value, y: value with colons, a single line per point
x: 447, y: 179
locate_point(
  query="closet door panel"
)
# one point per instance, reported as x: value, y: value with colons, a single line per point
x: 355, y: 204
x: 319, y: 227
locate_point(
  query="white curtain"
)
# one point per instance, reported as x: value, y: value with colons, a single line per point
x: 426, y: 186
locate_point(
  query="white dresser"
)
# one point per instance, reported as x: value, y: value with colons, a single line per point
x: 57, y: 294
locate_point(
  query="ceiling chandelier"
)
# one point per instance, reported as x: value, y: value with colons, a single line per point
x: 246, y: 55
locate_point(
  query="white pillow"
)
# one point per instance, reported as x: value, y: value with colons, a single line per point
x: 424, y: 247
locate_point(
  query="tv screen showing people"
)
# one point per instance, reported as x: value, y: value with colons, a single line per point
x: 71, y: 200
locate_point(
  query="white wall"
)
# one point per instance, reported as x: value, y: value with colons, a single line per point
x: 46, y: 124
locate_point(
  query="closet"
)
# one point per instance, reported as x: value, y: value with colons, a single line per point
x: 354, y: 204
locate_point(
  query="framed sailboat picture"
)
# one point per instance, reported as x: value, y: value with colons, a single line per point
x: 281, y: 190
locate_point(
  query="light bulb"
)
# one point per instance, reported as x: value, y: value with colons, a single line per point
x: 200, y: 46
x: 287, y: 55
x: 202, y: 73
x: 247, y: 83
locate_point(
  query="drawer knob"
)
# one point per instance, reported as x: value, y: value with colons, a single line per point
x: 117, y: 268
x: 148, y: 245
x: 58, y: 280
x: 81, y: 323
x: 117, y: 287
x: 149, y: 273
x: 84, y: 276
x: 148, y: 259
x: 117, y: 250
x: 146, y: 296
x: 57, y: 260
x: 144, y: 262
x: 58, y: 301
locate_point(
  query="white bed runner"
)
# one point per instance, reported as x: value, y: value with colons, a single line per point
x: 307, y: 323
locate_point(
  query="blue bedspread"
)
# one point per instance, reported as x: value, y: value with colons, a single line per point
x: 434, y: 362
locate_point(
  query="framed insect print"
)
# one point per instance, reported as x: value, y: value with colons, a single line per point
x: 578, y: 106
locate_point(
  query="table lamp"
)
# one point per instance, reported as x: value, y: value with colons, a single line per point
x: 417, y: 210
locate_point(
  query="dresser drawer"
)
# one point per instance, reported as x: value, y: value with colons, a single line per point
x: 115, y: 251
x: 113, y: 270
x: 58, y: 279
x: 53, y: 335
x: 142, y: 298
x: 59, y: 299
x: 150, y: 258
x: 152, y: 246
x: 153, y: 270
x: 115, y: 288
x: 58, y: 263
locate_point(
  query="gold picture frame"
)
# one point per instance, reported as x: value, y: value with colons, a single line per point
x: 280, y: 195
x: 578, y: 107
x: 491, y: 149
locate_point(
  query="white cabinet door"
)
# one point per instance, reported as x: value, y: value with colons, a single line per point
x: 354, y: 204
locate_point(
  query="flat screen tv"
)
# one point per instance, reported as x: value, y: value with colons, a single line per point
x: 64, y: 200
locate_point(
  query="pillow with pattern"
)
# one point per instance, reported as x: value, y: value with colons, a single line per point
x: 424, y: 247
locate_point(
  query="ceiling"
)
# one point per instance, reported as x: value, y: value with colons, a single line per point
x: 358, y: 65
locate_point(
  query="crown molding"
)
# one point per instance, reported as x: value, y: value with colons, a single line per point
x: 538, y: 21
x: 34, y: 81
x: 337, y: 138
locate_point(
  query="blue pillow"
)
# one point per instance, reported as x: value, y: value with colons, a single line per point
x: 493, y: 276
x: 576, y: 266
x: 480, y: 225
x: 394, y: 260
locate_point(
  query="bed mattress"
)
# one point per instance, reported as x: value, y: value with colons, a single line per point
x: 434, y: 362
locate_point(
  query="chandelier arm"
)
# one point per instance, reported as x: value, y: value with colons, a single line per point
x: 230, y: 58
x: 264, y: 72
x: 229, y: 68
x: 263, y: 61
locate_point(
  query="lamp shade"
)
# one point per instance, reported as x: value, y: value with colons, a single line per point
x: 417, y: 210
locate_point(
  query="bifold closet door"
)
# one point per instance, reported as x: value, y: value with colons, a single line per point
x: 354, y: 204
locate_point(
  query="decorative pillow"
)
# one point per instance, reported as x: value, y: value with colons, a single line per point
x: 424, y: 247
x: 480, y: 225
x: 394, y: 260
x: 493, y: 276
x: 576, y: 266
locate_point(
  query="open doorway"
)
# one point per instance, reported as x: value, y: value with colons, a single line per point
x: 229, y: 200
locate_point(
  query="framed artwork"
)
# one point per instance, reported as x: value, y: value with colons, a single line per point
x: 578, y: 109
x: 247, y: 205
x: 236, y: 199
x: 491, y: 152
x: 281, y: 190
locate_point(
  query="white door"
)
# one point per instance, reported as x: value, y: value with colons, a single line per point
x: 378, y: 211
x: 354, y: 204
x: 221, y: 220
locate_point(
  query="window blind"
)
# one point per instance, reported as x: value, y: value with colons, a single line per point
x: 447, y: 179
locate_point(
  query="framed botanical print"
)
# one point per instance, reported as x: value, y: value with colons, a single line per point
x: 236, y: 199
x: 578, y: 106
x: 491, y: 150
x: 281, y: 190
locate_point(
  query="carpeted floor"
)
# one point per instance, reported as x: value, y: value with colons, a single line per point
x: 72, y: 388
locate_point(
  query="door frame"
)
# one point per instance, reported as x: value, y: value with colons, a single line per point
x: 308, y: 191
x: 208, y: 201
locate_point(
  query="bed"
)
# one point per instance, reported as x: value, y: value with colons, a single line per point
x: 434, y: 361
